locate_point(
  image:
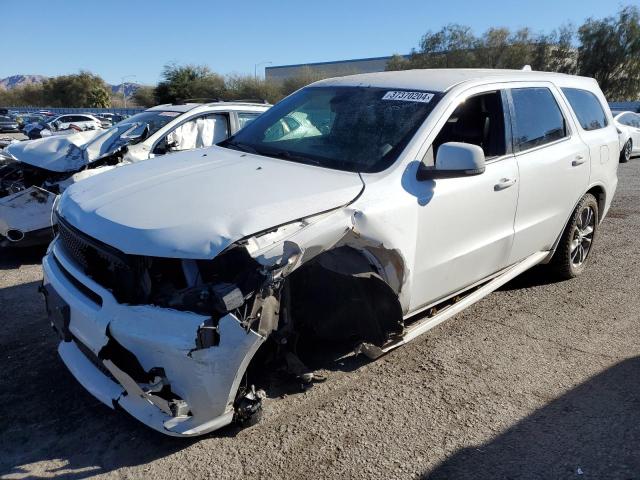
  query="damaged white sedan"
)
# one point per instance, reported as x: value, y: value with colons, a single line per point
x: 362, y: 210
x: 33, y: 173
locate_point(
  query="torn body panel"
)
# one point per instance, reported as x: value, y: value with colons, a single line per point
x: 27, y: 197
x: 205, y: 379
x: 24, y: 213
x: 200, y: 322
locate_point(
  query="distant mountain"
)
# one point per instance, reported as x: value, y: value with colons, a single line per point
x: 20, y: 80
x: 129, y: 88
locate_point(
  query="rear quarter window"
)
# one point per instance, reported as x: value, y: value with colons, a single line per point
x: 587, y: 108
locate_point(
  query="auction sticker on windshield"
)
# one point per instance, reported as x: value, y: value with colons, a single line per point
x: 423, y: 97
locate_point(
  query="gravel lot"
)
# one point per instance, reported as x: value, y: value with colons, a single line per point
x: 539, y: 380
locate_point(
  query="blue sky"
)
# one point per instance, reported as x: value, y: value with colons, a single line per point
x: 116, y: 38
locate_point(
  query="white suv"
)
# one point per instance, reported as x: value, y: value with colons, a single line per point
x: 41, y: 169
x: 389, y: 202
x: 84, y: 121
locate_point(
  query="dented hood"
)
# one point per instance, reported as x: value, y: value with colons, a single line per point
x: 194, y: 204
x: 58, y: 153
x: 70, y: 153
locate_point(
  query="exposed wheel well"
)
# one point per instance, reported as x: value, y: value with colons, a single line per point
x: 332, y: 304
x: 600, y: 195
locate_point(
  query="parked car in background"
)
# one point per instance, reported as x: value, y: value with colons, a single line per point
x: 62, y: 123
x: 394, y: 201
x: 84, y: 121
x: 105, y: 122
x: 628, y: 124
x: 114, y: 117
x: 8, y: 124
x: 35, y: 172
x: 25, y: 119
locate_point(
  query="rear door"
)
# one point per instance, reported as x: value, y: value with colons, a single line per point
x: 554, y: 167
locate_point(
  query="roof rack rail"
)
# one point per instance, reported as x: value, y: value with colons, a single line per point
x: 182, y: 101
x: 251, y: 100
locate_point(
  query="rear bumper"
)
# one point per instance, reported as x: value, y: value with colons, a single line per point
x: 159, y: 339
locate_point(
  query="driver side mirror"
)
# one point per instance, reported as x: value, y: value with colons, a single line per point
x: 454, y: 159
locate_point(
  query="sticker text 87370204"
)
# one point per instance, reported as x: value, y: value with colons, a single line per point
x: 422, y: 97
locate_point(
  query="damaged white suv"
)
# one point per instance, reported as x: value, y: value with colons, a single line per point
x: 33, y: 173
x: 359, y: 211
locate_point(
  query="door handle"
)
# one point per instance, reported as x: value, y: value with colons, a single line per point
x: 579, y: 160
x: 504, y: 183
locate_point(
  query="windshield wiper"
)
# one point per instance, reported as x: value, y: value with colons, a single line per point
x: 287, y: 155
x: 243, y: 147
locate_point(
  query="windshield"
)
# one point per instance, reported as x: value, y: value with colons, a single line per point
x: 358, y: 129
x: 127, y: 131
x: 156, y: 119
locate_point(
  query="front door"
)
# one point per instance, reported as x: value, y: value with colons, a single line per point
x: 465, y: 231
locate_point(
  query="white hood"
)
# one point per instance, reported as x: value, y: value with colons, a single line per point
x: 70, y: 153
x: 58, y: 153
x: 194, y: 204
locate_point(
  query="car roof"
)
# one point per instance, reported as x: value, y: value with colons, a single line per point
x: 618, y: 113
x: 214, y: 106
x: 443, y: 79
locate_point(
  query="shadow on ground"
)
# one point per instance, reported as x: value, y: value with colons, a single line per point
x: 11, y: 258
x: 46, y: 415
x: 593, y: 431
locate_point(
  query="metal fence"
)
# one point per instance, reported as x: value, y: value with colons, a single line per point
x: 97, y: 111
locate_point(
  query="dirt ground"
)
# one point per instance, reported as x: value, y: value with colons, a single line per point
x: 538, y: 380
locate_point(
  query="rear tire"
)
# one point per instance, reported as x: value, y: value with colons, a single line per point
x: 625, y: 154
x: 570, y: 258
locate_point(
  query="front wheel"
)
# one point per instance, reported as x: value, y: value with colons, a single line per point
x: 625, y: 154
x: 572, y: 253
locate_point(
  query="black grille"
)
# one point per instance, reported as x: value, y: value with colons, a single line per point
x: 112, y: 269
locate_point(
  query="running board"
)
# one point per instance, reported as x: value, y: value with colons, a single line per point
x: 427, y: 323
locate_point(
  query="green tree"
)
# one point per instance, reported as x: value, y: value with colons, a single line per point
x: 609, y: 51
x: 144, y: 96
x: 555, y: 52
x: 99, y: 98
x: 453, y: 46
x: 78, y: 90
x: 188, y: 82
x: 248, y: 87
x: 398, y: 62
x: 302, y: 79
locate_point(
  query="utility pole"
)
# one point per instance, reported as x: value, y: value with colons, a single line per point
x: 124, y: 91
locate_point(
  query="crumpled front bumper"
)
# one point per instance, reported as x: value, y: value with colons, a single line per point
x: 207, y: 379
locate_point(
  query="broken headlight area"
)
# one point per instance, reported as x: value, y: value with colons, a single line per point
x: 207, y: 287
x: 17, y: 176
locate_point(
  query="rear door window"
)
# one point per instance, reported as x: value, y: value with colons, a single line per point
x: 587, y: 108
x: 537, y: 119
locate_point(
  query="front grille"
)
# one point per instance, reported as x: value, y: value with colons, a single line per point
x: 114, y: 270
